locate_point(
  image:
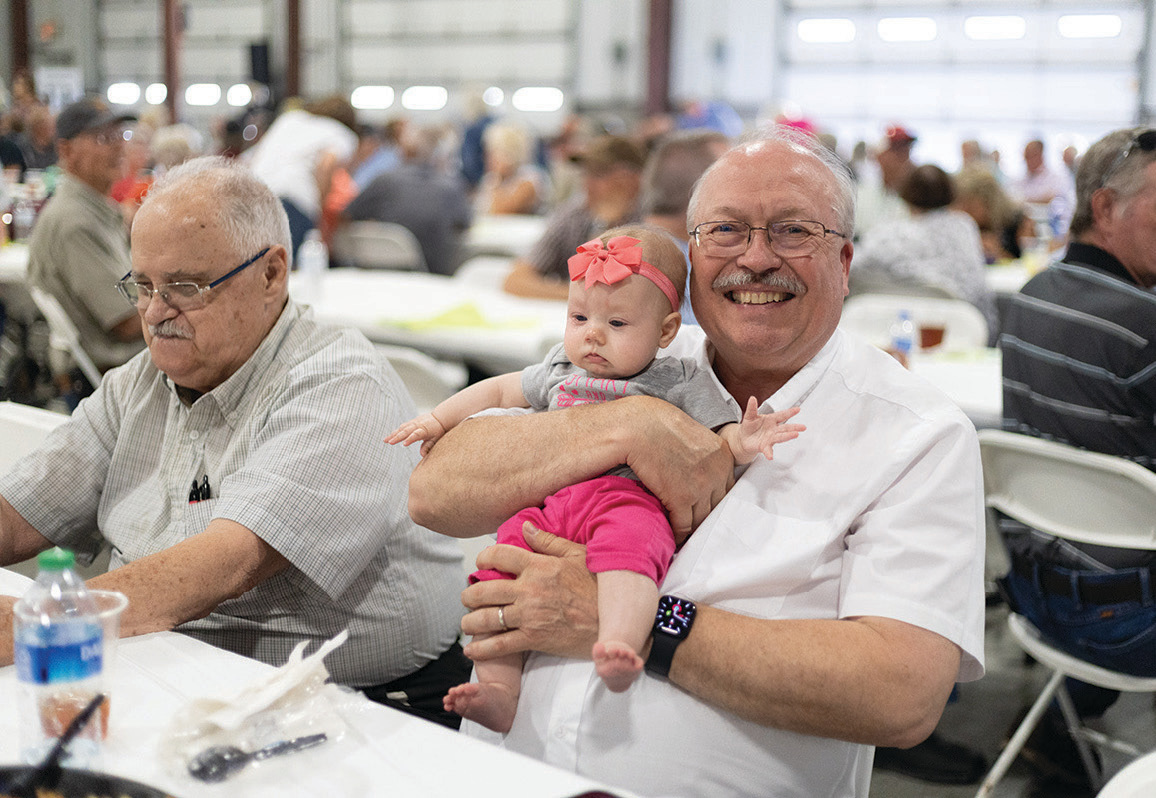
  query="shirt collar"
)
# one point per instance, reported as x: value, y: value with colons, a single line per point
x: 228, y: 395
x: 1093, y: 257
x: 797, y: 388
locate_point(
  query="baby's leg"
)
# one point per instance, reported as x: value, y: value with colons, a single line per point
x: 626, y: 604
x: 492, y: 700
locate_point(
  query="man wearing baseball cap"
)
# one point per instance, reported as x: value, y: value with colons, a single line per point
x: 612, y: 178
x: 79, y: 246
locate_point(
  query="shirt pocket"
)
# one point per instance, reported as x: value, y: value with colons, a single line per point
x: 197, y: 516
x: 752, y: 560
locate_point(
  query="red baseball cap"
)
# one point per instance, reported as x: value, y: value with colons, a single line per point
x: 897, y: 136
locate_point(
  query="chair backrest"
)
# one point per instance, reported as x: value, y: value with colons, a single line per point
x: 1068, y: 492
x: 62, y: 333
x: 870, y: 316
x: 428, y: 380
x: 22, y: 429
x: 378, y: 245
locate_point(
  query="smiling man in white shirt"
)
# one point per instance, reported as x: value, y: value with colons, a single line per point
x: 839, y: 587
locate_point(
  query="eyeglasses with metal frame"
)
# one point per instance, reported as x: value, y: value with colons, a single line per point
x: 790, y: 236
x: 1145, y: 141
x: 182, y: 296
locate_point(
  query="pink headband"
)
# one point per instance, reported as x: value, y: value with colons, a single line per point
x: 620, y: 258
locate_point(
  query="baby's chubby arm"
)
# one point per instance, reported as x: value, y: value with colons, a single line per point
x: 505, y: 390
x: 757, y: 433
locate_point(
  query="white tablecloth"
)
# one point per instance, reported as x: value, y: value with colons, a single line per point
x: 1008, y: 278
x: 439, y: 315
x: 383, y: 753
x: 972, y: 378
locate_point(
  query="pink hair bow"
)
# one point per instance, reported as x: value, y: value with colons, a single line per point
x: 614, y: 262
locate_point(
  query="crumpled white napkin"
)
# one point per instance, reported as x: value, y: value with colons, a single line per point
x: 293, y: 701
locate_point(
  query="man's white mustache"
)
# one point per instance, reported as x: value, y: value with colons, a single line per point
x: 169, y: 329
x: 769, y: 282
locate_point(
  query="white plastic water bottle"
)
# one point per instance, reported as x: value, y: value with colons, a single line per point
x: 58, y: 651
x: 902, y: 337
x: 312, y: 262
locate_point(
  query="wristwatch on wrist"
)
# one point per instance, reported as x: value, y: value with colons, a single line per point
x: 672, y: 624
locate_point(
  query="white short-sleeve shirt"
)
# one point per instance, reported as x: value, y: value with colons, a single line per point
x: 875, y: 510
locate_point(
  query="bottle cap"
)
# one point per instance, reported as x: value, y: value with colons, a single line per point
x: 56, y: 559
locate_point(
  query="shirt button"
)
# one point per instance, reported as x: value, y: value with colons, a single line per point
x: 194, y: 435
x: 560, y: 732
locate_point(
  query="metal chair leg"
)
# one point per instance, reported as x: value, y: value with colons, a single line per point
x: 1012, y: 749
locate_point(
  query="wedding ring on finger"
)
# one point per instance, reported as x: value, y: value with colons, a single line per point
x: 502, y: 619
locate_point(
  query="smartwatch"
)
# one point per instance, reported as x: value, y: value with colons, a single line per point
x: 672, y: 624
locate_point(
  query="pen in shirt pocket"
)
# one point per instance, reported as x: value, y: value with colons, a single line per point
x: 200, y: 492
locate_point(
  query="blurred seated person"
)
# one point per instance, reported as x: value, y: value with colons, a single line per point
x: 79, y: 246
x: 612, y: 178
x: 298, y: 154
x: 675, y: 164
x: 877, y: 196
x: 1005, y: 228
x: 429, y: 202
x: 935, y: 246
x: 511, y: 183
x: 11, y: 154
x: 136, y: 172
x: 243, y: 395
x: 39, y: 139
x: 378, y: 151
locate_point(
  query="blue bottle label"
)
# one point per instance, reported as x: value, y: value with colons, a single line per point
x: 61, y: 662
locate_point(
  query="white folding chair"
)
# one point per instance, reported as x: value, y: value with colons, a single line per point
x: 62, y: 333
x: 1080, y: 496
x: 22, y: 429
x: 428, y: 379
x: 378, y: 245
x: 870, y: 316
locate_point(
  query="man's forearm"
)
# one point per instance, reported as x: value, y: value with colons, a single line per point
x: 870, y: 680
x: 486, y: 469
x: 189, y: 580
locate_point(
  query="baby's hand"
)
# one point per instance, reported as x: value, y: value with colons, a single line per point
x: 424, y: 428
x: 759, y: 433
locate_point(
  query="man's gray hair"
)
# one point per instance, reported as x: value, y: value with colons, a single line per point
x: 842, y: 204
x: 251, y: 214
x: 1126, y: 180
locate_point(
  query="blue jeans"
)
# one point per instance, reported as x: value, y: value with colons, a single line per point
x: 1120, y: 636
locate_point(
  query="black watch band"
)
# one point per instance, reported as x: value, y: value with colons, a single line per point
x: 672, y: 624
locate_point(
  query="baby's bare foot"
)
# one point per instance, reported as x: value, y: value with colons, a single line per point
x: 617, y: 663
x: 491, y: 704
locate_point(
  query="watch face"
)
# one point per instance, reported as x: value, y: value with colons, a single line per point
x: 674, y: 616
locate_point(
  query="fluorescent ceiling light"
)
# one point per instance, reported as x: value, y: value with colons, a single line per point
x: 826, y: 31
x: 493, y: 96
x: 371, y: 98
x: 156, y: 93
x: 203, y: 94
x: 123, y: 93
x: 993, y: 28
x: 1089, y: 26
x: 906, y: 29
x: 424, y: 98
x: 538, y: 98
x: 239, y: 95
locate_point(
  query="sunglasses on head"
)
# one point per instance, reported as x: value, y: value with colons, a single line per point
x: 1145, y: 141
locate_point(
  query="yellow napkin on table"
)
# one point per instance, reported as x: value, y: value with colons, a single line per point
x: 466, y: 314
